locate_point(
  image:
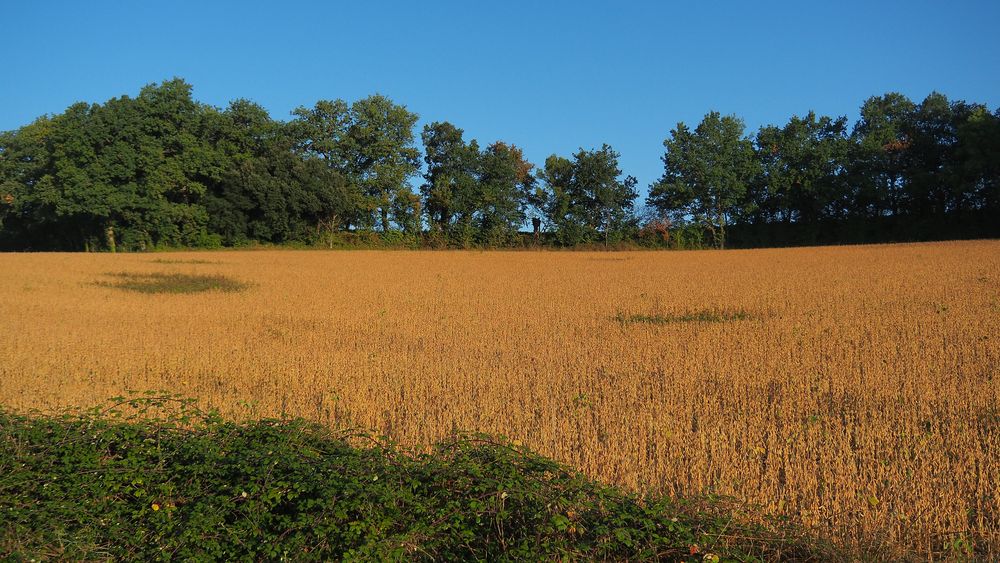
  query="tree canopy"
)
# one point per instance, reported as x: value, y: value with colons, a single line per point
x: 163, y: 170
x: 706, y: 173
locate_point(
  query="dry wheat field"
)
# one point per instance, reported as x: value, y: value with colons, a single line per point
x: 856, y: 389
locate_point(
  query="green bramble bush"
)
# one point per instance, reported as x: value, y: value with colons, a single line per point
x: 154, y: 478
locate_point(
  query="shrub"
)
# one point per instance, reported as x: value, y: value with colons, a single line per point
x: 182, y: 484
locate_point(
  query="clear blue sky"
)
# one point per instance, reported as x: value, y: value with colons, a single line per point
x: 548, y: 76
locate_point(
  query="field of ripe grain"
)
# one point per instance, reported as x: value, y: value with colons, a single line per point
x: 854, y: 388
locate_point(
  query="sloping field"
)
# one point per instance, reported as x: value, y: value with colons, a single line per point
x: 856, y: 389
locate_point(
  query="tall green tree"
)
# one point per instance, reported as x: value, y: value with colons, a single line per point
x: 381, y: 157
x: 977, y: 155
x: 803, y: 170
x: 706, y: 174
x: 564, y: 209
x: 122, y: 174
x: 505, y: 183
x: 173, y: 160
x: 880, y: 162
x: 321, y: 131
x: 451, y: 180
x: 76, y: 195
x: 26, y: 167
x: 587, y: 199
x: 269, y: 188
x: 934, y: 183
x: 371, y: 143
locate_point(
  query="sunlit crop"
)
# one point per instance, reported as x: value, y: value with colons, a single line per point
x: 854, y: 389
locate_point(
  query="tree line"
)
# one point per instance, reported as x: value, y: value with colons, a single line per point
x: 162, y: 170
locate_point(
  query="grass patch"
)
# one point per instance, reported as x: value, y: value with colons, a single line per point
x: 124, y: 484
x: 702, y: 316
x: 173, y: 283
x: 190, y: 261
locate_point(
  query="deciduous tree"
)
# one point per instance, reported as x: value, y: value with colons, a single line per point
x: 706, y: 173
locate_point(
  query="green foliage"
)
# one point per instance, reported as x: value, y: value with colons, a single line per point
x: 803, y: 177
x: 474, y: 197
x: 127, y: 171
x: 586, y: 200
x: 370, y: 143
x: 265, y: 191
x: 173, y: 283
x: 702, y: 316
x: 505, y: 182
x: 926, y: 160
x: 689, y: 237
x: 161, y: 170
x: 706, y: 173
x: 450, y: 180
x: 156, y: 479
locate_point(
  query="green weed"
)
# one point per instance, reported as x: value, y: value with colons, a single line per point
x: 173, y: 283
x: 702, y: 316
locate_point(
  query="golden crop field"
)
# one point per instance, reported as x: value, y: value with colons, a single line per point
x: 854, y: 388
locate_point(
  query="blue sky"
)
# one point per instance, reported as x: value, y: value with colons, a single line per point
x: 548, y: 76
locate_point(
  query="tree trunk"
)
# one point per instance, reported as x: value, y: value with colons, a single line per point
x: 109, y: 234
x: 722, y: 228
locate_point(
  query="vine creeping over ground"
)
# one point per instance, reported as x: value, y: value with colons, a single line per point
x: 155, y: 479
